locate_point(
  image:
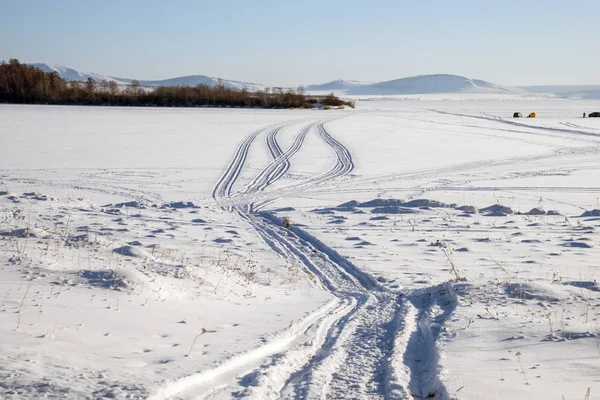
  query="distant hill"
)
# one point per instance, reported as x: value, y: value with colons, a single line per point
x: 74, y: 75
x: 430, y: 84
x: 191, y: 80
x: 416, y: 85
x: 336, y: 85
x: 195, y: 80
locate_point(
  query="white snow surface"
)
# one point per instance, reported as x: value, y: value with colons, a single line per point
x: 402, y: 250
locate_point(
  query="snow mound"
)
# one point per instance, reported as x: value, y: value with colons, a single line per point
x: 427, y: 203
x: 392, y: 210
x: 417, y: 203
x: 130, y: 204
x: 532, y: 291
x: 468, y: 209
x: 579, y: 245
x: 131, y: 251
x: 589, y: 285
x: 536, y: 211
x: 25, y: 233
x: 112, y: 279
x: 591, y: 213
x: 180, y: 204
x: 497, y: 209
x: 349, y: 204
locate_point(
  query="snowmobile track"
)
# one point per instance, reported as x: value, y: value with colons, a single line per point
x: 353, y: 347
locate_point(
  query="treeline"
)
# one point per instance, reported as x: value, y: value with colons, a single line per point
x: 22, y: 83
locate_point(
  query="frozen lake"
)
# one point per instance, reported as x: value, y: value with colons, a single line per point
x: 404, y: 249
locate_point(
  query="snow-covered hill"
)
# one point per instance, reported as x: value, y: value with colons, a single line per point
x: 430, y: 84
x: 195, y: 80
x: 191, y: 80
x: 416, y: 85
x: 74, y: 75
x: 335, y: 85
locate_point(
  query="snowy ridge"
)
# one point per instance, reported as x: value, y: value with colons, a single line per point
x: 74, y: 75
x: 429, y: 84
x: 195, y: 80
x: 423, y: 84
x: 335, y: 85
x: 191, y: 80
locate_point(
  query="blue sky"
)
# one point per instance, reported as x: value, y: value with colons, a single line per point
x: 287, y: 43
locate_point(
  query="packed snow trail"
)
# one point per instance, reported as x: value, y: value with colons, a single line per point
x: 280, y: 164
x: 577, y: 131
x: 368, y: 342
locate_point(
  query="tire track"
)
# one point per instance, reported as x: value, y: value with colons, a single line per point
x: 276, y: 168
x: 343, y: 165
x: 355, y: 351
x: 222, y: 189
x: 350, y: 347
x: 469, y: 166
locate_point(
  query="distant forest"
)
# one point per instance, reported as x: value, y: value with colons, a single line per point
x: 25, y: 84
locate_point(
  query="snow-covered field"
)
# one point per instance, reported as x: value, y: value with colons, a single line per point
x: 402, y: 250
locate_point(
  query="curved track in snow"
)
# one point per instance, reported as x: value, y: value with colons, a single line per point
x: 368, y: 342
x: 280, y: 164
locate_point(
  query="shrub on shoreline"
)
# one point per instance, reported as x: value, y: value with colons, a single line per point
x: 25, y: 84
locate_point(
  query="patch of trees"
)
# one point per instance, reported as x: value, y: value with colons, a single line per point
x: 22, y: 83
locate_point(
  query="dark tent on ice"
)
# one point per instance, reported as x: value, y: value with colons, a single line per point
x: 517, y: 115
